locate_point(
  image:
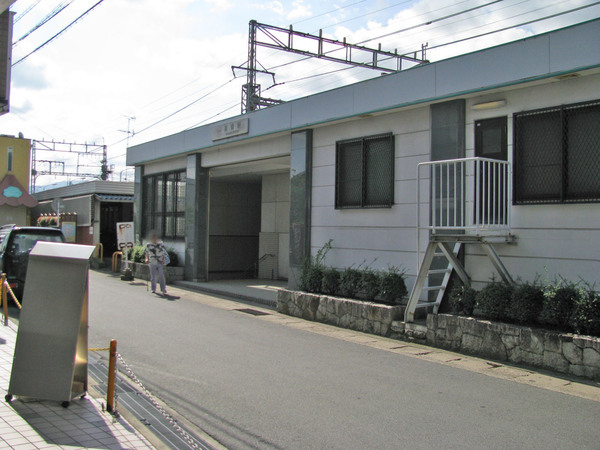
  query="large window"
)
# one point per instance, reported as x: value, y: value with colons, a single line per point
x: 364, y: 175
x: 164, y: 204
x: 557, y: 154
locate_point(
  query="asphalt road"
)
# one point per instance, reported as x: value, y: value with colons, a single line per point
x: 254, y: 384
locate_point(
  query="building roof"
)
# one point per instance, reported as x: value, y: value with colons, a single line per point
x: 12, y: 193
x: 542, y: 56
x: 89, y: 187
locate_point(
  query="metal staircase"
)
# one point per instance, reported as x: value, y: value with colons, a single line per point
x: 434, y: 250
x: 469, y: 203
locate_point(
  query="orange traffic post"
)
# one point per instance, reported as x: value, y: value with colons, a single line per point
x: 112, y: 364
x: 100, y: 251
x: 3, y: 298
x: 115, y: 261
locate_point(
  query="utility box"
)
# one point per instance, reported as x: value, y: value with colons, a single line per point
x: 51, y: 352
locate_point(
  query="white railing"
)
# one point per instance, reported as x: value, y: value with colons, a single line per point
x: 467, y: 195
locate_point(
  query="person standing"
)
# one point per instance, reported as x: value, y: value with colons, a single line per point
x: 155, y: 257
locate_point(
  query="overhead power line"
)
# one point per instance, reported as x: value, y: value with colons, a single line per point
x: 439, y: 19
x: 339, y: 8
x: 228, y: 108
x: 171, y: 114
x: 551, y: 16
x: 59, y: 33
x: 429, y: 22
x: 27, y: 10
x: 454, y: 41
x: 55, y: 12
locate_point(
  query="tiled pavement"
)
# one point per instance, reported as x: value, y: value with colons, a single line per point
x: 31, y: 424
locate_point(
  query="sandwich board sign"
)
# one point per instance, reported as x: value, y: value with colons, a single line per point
x: 125, y: 235
x: 50, y: 360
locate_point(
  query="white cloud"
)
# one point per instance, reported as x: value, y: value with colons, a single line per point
x: 219, y: 5
x: 299, y: 10
x: 139, y: 58
x: 273, y: 6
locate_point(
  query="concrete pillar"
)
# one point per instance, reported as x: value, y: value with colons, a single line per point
x: 196, y: 219
x: 138, y: 196
x: 300, y: 202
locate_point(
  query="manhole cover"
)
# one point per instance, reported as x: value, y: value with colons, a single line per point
x: 254, y: 312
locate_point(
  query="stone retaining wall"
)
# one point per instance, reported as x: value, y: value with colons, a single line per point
x: 562, y: 352
x: 353, y: 314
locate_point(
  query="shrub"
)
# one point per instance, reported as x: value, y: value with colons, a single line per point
x: 311, y: 278
x: 370, y: 284
x: 137, y: 254
x: 392, y: 286
x: 526, y: 303
x: 462, y: 299
x: 350, y: 282
x: 173, y: 257
x: 330, y: 284
x: 494, y: 300
x: 559, y: 301
x: 315, y: 279
x: 43, y: 221
x: 586, y: 313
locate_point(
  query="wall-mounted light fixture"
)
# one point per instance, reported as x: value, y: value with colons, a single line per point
x: 489, y: 105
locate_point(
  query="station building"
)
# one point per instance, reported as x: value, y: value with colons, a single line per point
x: 505, y: 142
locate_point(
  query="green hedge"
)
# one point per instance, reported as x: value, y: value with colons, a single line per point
x: 382, y: 286
x: 137, y: 254
x: 557, y: 304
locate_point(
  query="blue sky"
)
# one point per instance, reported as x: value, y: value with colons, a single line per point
x: 149, y: 58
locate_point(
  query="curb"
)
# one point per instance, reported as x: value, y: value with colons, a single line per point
x: 229, y: 294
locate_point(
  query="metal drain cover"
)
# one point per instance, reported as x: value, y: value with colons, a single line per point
x: 253, y: 312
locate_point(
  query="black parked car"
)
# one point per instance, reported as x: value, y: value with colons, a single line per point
x: 15, y: 245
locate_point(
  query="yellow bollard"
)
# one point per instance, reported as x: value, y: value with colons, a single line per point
x: 3, y: 298
x: 100, y: 250
x: 110, y: 390
x: 115, y: 261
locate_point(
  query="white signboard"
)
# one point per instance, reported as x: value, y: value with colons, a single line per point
x: 229, y: 129
x: 125, y: 235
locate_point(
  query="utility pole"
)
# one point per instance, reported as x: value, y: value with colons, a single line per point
x: 129, y: 132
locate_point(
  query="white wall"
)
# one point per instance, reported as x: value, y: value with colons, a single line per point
x: 275, y: 225
x: 383, y: 236
x: 166, y: 165
x: 271, y: 147
x: 560, y: 238
x: 564, y: 239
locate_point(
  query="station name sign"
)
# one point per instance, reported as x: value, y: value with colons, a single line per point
x: 229, y: 129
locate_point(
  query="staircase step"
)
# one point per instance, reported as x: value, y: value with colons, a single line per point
x: 426, y: 304
x: 439, y: 271
x: 433, y: 288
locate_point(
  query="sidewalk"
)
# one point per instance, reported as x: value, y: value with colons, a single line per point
x: 32, y: 424
x: 253, y: 290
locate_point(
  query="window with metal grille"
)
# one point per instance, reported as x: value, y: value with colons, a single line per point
x: 557, y: 154
x: 164, y: 204
x: 364, y: 176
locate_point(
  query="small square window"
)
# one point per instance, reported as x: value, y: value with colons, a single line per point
x: 365, y: 172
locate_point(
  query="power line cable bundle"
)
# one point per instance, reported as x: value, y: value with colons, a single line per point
x: 81, y: 16
x: 51, y: 15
